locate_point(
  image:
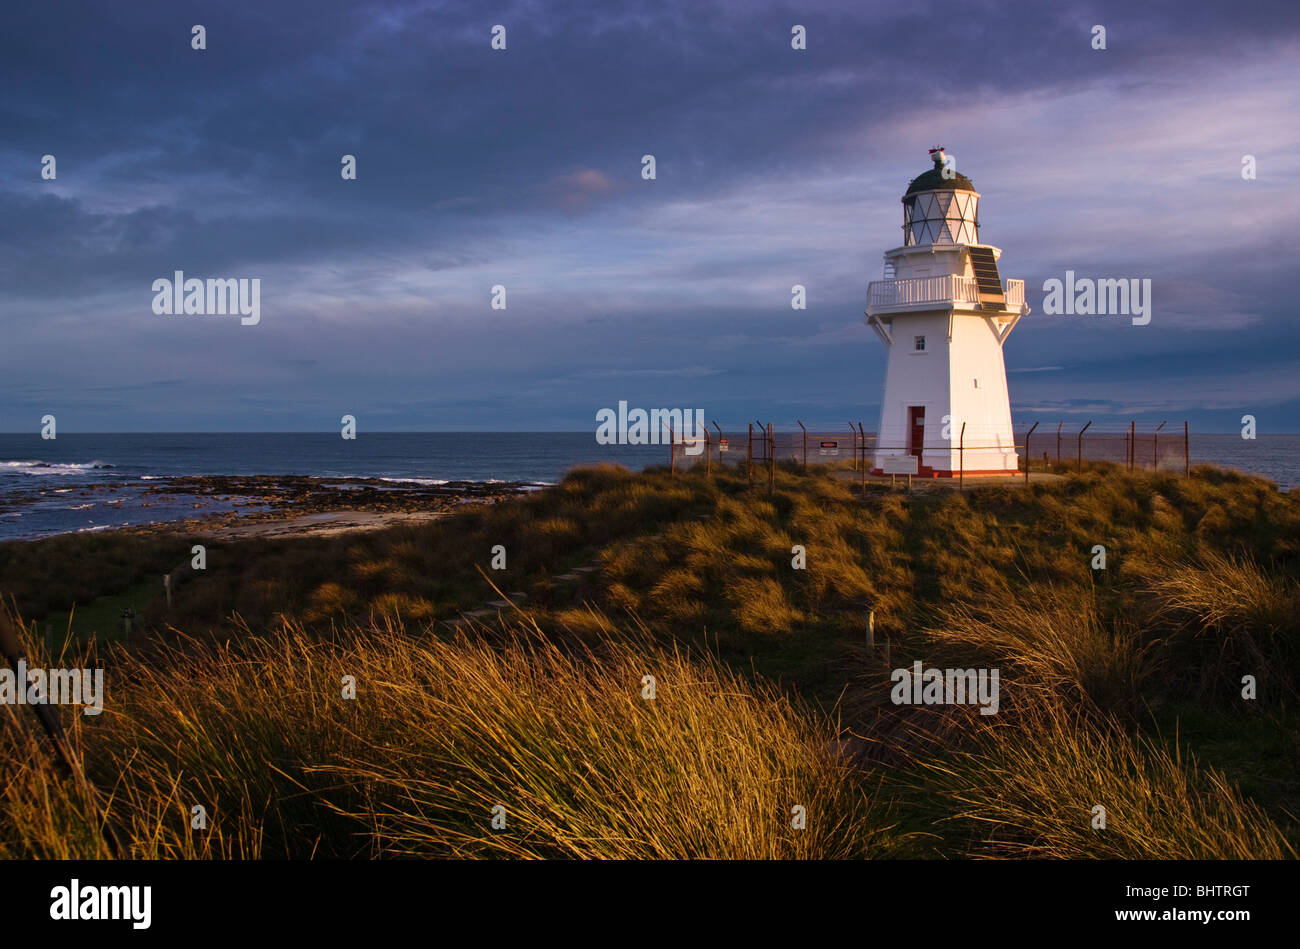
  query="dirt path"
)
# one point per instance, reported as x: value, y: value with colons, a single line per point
x: 327, y: 524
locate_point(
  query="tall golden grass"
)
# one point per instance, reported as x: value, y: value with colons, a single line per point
x: 1029, y: 789
x: 1055, y: 645
x: 440, y: 733
x: 544, y: 716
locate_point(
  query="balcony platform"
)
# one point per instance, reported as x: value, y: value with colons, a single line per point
x: 928, y: 293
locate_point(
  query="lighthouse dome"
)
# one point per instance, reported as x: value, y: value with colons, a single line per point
x: 940, y: 206
x: 933, y: 180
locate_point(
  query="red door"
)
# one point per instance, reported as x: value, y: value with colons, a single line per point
x: 916, y: 430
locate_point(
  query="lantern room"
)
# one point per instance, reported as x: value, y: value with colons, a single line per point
x: 940, y: 206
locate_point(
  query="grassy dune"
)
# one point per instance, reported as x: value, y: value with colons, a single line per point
x: 1120, y: 687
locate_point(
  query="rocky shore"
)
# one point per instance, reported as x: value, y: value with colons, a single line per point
x: 281, y: 505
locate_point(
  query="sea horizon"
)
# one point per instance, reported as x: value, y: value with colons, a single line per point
x: 84, y: 481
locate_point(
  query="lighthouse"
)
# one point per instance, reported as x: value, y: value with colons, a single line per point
x: 944, y: 315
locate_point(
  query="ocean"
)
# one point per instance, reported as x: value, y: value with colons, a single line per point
x: 81, y: 482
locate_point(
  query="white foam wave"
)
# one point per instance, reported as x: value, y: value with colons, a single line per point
x: 37, y: 467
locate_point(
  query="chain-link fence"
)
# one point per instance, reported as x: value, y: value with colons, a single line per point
x: 1151, y: 447
x: 957, y: 452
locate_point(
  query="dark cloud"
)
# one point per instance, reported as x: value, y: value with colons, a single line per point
x: 523, y: 168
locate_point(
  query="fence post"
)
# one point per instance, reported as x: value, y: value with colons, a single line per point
x: 167, y: 586
x: 961, y: 458
x: 771, y: 457
x: 1080, y: 458
x: 1028, y: 457
x: 1155, y: 448
x: 749, y: 462
x: 764, y: 432
x: 708, y: 454
x: 1058, y: 442
x: 1187, y: 451
x: 863, y: 432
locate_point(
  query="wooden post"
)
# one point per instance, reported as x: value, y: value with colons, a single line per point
x: 1058, y: 442
x: 167, y: 586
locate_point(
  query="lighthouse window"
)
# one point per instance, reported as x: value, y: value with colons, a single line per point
x: 920, y: 344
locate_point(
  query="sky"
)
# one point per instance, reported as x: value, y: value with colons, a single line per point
x: 478, y: 167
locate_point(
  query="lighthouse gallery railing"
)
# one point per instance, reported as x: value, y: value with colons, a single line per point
x: 949, y: 288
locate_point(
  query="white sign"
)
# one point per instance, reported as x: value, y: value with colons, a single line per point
x: 898, y: 464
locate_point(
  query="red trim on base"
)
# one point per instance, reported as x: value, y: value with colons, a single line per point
x: 932, y: 473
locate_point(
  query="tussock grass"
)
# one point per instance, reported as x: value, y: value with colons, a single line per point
x: 1225, y: 596
x: 1232, y: 616
x: 1055, y: 646
x: 440, y: 732
x: 696, y: 586
x: 584, y: 766
x: 1029, y: 790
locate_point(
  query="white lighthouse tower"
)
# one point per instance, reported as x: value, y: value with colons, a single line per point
x: 944, y: 314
